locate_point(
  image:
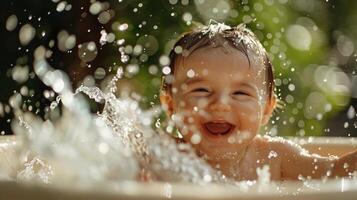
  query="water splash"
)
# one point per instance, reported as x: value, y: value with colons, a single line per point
x: 157, y: 153
x: 79, y: 147
x: 214, y: 27
x: 109, y: 147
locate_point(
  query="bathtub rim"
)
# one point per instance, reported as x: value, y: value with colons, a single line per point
x: 332, y: 189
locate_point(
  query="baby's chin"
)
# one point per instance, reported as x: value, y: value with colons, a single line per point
x: 221, y: 149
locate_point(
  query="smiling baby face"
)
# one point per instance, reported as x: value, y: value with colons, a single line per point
x: 218, y: 100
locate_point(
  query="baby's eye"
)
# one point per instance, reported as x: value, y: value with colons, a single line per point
x: 200, y: 90
x: 240, y: 93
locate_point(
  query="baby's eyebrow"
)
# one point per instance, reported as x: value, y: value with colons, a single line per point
x: 193, y: 80
x: 249, y: 85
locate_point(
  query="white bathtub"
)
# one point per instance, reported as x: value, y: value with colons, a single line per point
x: 331, y: 189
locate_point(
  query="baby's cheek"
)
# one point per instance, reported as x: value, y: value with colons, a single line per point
x: 186, y: 120
x: 190, y: 129
x: 250, y: 110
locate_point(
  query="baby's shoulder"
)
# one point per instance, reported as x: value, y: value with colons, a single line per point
x: 277, y: 144
x: 267, y: 140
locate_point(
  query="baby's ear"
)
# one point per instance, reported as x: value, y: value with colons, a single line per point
x: 268, y: 110
x: 166, y: 102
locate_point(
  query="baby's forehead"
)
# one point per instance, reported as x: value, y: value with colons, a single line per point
x: 209, y: 58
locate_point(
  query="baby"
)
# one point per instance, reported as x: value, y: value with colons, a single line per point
x: 219, y: 91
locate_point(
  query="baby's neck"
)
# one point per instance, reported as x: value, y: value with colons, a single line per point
x: 229, y: 165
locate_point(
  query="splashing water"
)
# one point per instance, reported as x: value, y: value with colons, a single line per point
x: 84, y: 148
x: 157, y: 153
x: 214, y: 28
x: 78, y: 147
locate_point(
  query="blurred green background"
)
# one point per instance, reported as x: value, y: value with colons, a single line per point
x: 311, y: 43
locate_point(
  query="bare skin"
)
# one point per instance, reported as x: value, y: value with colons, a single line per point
x: 219, y: 101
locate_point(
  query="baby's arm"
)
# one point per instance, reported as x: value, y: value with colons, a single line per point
x: 345, y: 165
x: 295, y: 162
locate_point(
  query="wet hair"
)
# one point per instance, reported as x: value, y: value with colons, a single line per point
x: 215, y: 35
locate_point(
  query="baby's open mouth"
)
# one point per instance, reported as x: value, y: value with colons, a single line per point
x: 218, y: 128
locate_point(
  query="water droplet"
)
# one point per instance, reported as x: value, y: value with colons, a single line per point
x: 196, y: 138
x: 187, y: 17
x: 65, y: 41
x: 173, y: 2
x: 103, y: 148
x: 120, y: 42
x: 153, y: 69
x: 87, y: 51
x: 207, y: 178
x: 58, y: 85
x: 166, y: 70
x: 184, y: 2
x: 124, y: 58
x: 190, y: 73
x: 319, y: 116
x: 15, y: 100
x: 123, y: 27
x: 20, y: 74
x: 231, y: 139
x: 132, y: 69
x: 149, y: 44
x: 70, y: 42
x: 53, y: 105
x: 258, y: 7
x: 104, y: 17
x: 345, y: 125
x: 178, y: 49
x: 26, y: 34
x: 68, y: 7
x: 291, y: 87
x: 137, y: 50
x: 301, y: 177
x: 164, y: 60
x: 24, y: 91
x: 263, y: 174
x: 61, y: 6
x: 167, y: 190
x: 345, y: 165
x: 299, y: 37
x: 95, y: 8
x: 88, y: 81
x: 289, y: 98
x: 272, y: 154
x: 11, y: 22
x: 328, y: 107
x: 345, y: 45
x: 157, y: 123
x: 99, y: 73
x: 351, y: 113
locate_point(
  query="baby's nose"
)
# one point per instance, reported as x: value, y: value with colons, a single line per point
x: 220, y: 105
